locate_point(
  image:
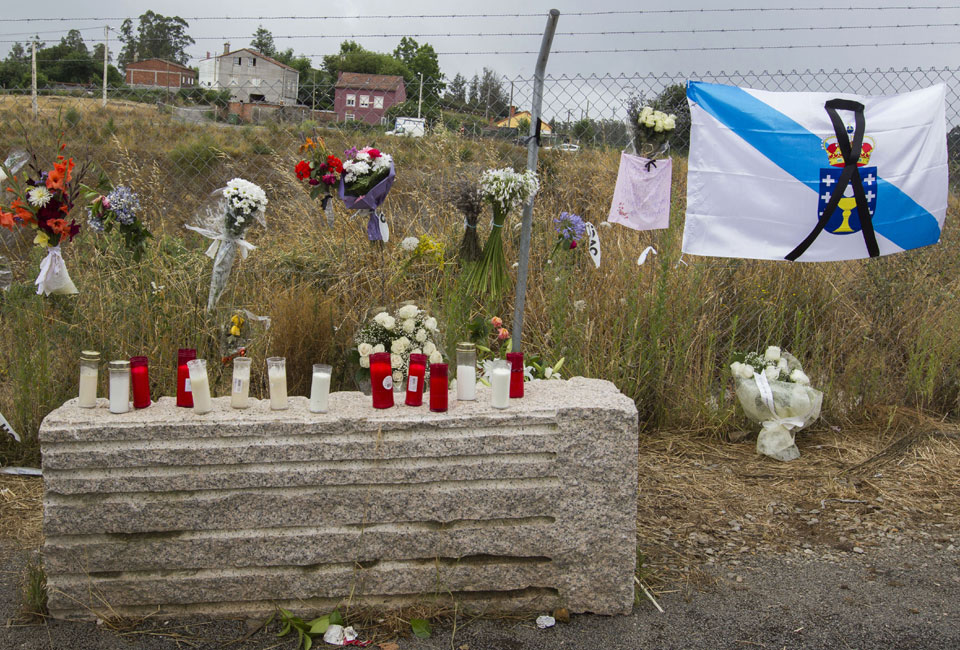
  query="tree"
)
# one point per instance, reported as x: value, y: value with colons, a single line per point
x: 457, y: 90
x: 421, y: 60
x: 74, y: 41
x: 354, y: 58
x: 158, y: 37
x: 263, y: 42
x: 489, y: 96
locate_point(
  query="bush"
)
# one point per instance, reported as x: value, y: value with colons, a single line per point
x: 197, y: 156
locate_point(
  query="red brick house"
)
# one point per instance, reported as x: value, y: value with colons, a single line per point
x: 367, y: 97
x: 160, y: 73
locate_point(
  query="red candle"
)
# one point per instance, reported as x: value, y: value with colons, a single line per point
x: 415, y: 374
x: 141, y: 382
x: 381, y: 380
x: 515, y: 359
x: 184, y: 394
x: 438, y: 387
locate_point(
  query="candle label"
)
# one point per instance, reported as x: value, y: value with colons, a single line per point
x: 388, y: 382
x: 186, y: 385
x: 237, y: 385
x: 412, y: 384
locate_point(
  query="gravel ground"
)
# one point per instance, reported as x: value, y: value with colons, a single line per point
x: 885, y: 598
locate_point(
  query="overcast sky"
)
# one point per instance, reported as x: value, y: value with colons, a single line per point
x: 318, y: 37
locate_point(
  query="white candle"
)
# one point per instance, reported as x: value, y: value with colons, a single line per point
x: 200, y: 385
x: 320, y: 392
x: 120, y: 392
x: 240, y: 388
x: 239, y: 396
x: 278, y: 387
x: 88, y: 387
x: 500, y: 387
x: 466, y: 382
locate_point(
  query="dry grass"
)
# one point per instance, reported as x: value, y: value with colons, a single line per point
x: 20, y: 510
x: 855, y: 486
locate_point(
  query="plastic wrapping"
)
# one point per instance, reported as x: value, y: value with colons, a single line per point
x: 780, y: 407
x: 211, y: 221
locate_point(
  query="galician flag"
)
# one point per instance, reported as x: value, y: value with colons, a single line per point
x: 813, y: 176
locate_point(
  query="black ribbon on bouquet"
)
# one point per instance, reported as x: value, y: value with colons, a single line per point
x: 849, y: 176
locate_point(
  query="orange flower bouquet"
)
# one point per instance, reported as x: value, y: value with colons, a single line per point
x: 42, y: 199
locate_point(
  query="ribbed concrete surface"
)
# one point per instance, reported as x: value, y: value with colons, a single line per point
x: 162, y: 511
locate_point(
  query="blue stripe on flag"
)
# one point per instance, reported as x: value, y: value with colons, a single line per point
x: 800, y: 153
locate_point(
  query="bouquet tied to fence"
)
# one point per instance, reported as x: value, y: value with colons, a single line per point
x: 652, y: 129
x: 408, y: 330
x: 775, y: 392
x: 320, y: 170
x: 117, y: 208
x: 225, y: 219
x: 367, y: 177
x: 505, y: 190
x: 42, y: 200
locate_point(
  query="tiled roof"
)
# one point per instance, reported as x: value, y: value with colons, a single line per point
x: 363, y: 81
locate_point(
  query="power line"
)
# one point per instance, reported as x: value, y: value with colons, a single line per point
x: 708, y: 10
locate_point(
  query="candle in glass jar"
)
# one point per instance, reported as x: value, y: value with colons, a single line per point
x: 240, y: 387
x: 381, y: 380
x: 438, y: 387
x: 320, y: 388
x: 119, y: 386
x: 499, y: 384
x: 415, y: 375
x: 184, y: 390
x: 89, y: 363
x: 515, y: 359
x: 139, y: 373
x: 466, y: 371
x: 277, y: 374
x: 200, y: 385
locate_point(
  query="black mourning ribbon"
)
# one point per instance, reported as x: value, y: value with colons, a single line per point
x: 650, y: 163
x: 324, y: 201
x: 849, y: 176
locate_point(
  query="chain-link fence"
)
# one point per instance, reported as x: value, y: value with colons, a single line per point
x: 201, y: 134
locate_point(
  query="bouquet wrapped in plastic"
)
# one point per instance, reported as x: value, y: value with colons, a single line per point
x: 775, y: 392
x: 367, y: 177
x: 225, y: 219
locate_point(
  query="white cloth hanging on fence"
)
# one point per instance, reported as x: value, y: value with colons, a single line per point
x: 641, y: 198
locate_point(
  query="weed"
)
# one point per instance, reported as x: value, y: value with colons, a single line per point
x: 33, y: 592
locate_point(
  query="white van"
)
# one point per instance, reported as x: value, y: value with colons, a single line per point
x: 415, y: 127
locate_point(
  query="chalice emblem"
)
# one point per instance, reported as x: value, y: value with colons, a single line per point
x: 848, y: 187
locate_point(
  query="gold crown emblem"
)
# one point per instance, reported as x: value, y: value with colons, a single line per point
x: 836, y: 157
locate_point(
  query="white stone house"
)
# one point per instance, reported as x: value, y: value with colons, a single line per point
x: 250, y: 76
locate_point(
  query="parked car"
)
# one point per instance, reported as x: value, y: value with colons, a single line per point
x: 414, y: 127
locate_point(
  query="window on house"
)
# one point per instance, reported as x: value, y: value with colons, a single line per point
x: 253, y: 62
x: 377, y: 101
x: 364, y: 101
x: 239, y: 60
x: 348, y: 117
x: 383, y: 120
x: 257, y: 98
x: 351, y: 100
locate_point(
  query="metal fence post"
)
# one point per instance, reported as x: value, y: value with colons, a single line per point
x: 532, y: 151
x: 33, y: 83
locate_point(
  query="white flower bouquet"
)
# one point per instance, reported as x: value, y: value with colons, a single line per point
x: 506, y: 190
x: 775, y: 392
x: 225, y: 219
x: 408, y: 330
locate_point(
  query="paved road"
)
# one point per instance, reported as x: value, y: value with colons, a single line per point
x: 887, y: 598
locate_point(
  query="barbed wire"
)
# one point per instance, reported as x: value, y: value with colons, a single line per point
x: 704, y: 10
x: 641, y: 32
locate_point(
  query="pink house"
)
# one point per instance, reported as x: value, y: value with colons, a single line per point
x: 366, y: 97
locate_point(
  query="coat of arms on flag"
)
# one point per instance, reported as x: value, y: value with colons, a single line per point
x: 814, y: 176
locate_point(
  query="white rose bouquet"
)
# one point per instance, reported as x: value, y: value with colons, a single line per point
x: 408, y: 330
x: 775, y: 392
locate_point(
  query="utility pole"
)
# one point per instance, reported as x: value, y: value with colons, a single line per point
x: 486, y: 111
x: 106, y: 50
x: 420, y: 100
x: 33, y: 84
